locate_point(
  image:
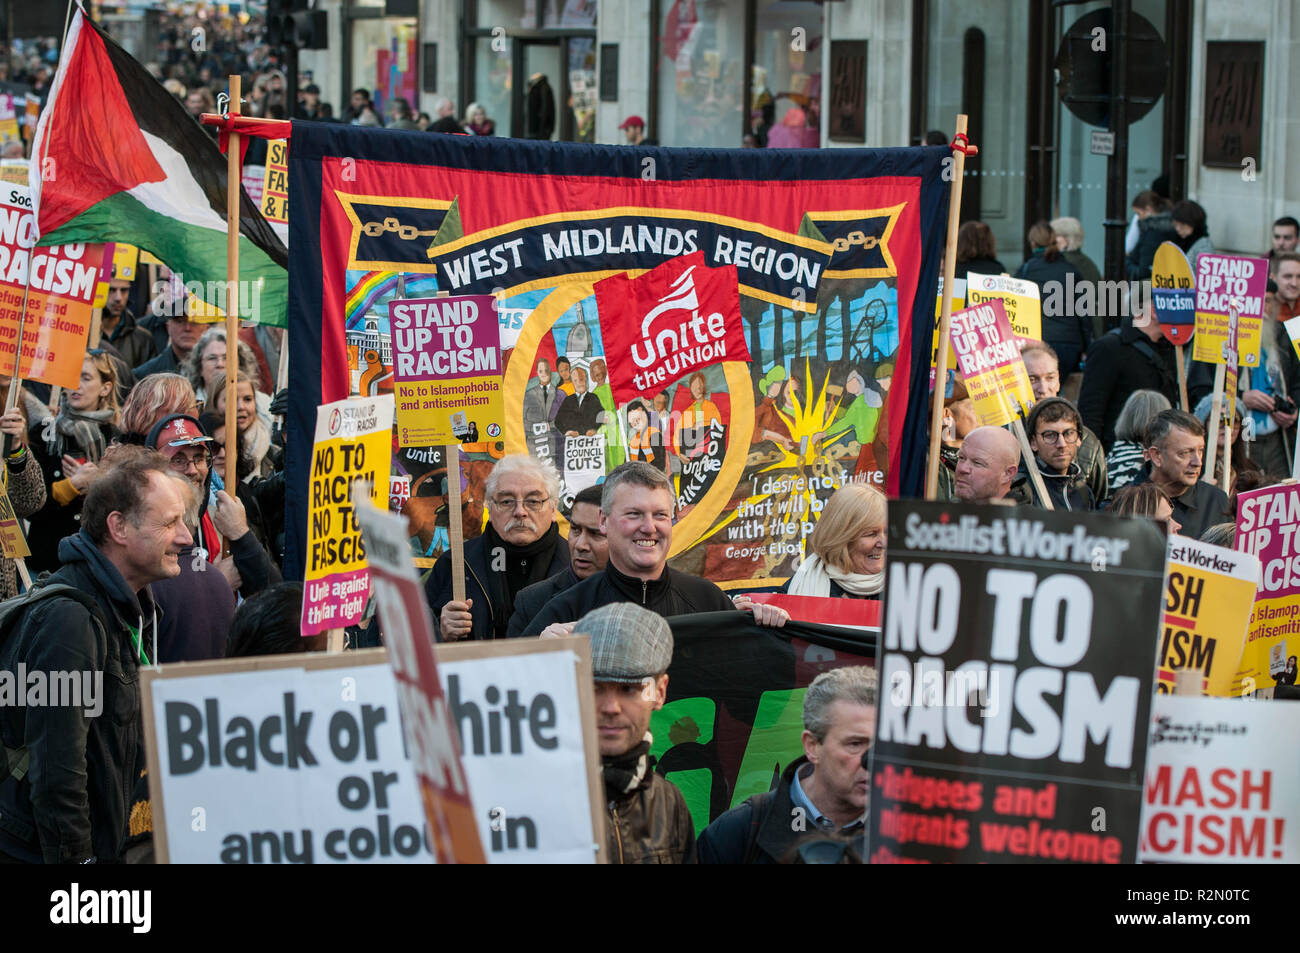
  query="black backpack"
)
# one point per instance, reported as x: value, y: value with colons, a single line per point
x: 15, y: 761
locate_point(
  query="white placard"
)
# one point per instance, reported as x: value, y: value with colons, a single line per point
x: 337, y: 786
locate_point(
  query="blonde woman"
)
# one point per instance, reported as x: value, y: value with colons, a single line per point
x: 253, y: 431
x: 68, y: 448
x: 846, y: 551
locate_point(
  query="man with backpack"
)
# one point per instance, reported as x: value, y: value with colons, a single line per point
x: 823, y: 794
x: 68, y: 767
x: 1134, y: 356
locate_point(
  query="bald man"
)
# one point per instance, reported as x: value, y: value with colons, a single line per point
x: 986, y: 465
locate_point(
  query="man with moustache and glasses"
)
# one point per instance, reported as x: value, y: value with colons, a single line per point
x: 520, y: 546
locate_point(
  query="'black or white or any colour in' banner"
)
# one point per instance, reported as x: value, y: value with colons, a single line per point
x: 301, y: 758
x: 1016, y: 665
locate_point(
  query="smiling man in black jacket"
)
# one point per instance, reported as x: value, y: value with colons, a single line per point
x: 637, y: 506
x: 78, y: 763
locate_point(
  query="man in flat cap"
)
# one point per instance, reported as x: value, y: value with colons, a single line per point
x: 646, y: 817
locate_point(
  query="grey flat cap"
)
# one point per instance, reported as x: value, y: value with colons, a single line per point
x: 628, y: 643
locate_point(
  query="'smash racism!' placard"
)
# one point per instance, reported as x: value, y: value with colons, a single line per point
x: 447, y: 369
x: 1016, y: 666
x: 1222, y: 786
x: 353, y: 442
x: 1209, y: 594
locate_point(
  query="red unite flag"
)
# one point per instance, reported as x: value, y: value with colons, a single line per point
x: 672, y: 321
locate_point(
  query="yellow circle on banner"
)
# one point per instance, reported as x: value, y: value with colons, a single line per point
x: 740, y: 426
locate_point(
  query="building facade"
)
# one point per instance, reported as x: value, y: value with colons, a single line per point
x: 1210, y: 87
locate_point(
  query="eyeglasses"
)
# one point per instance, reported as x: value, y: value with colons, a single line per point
x: 180, y: 462
x: 1054, y: 437
x: 214, y: 358
x: 533, y: 504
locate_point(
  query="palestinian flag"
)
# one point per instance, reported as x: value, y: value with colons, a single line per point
x: 122, y: 161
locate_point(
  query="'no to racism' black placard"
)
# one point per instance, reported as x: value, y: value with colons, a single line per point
x: 1016, y: 664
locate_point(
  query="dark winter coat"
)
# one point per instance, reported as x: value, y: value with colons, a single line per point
x: 1067, y: 491
x: 134, y: 343
x: 477, y: 568
x: 1120, y: 362
x: 1153, y: 231
x: 197, y: 607
x: 55, y: 519
x: 74, y: 802
x: 1068, y: 334
x: 760, y: 831
x: 673, y: 593
x: 532, y: 599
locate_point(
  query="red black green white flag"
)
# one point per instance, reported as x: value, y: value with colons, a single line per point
x: 120, y: 160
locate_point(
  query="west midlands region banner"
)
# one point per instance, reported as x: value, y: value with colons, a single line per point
x: 776, y: 352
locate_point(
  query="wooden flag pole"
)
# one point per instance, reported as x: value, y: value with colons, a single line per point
x: 232, y: 289
x: 1216, y: 410
x: 1182, y: 378
x: 455, y: 529
x: 1031, y: 463
x: 960, y: 149
x: 455, y: 524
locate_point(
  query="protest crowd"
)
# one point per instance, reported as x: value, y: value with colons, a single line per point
x: 140, y: 555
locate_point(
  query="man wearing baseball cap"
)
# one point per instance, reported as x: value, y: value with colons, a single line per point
x: 634, y: 128
x: 221, y: 516
x: 646, y: 817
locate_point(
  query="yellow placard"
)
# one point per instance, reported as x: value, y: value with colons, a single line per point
x: 1019, y: 298
x: 1293, y: 328
x: 1209, y: 592
x: 12, y: 543
x: 275, y: 182
x: 124, y: 269
x: 958, y: 302
x: 354, y: 441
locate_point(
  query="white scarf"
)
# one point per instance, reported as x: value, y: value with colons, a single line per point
x: 814, y: 577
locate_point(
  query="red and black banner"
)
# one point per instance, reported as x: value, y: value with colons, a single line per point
x: 805, y: 379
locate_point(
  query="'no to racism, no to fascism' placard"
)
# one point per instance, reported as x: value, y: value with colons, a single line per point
x: 353, y: 442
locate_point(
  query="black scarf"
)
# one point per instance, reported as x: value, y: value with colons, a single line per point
x: 525, y: 565
x: 624, y: 773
